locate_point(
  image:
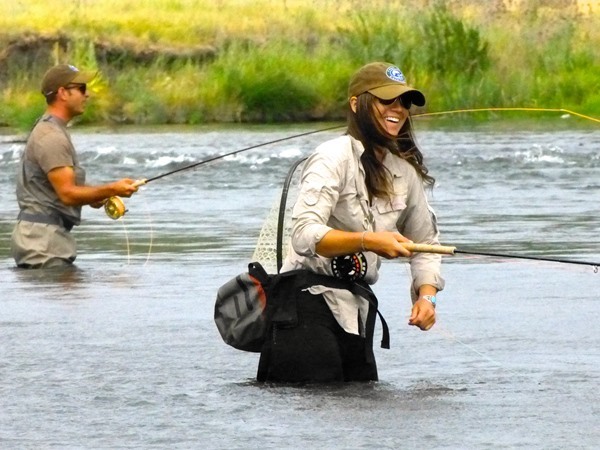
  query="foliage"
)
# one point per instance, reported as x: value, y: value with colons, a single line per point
x: 290, y: 60
x: 452, y: 48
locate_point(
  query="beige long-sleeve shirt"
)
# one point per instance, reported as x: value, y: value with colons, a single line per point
x: 333, y: 195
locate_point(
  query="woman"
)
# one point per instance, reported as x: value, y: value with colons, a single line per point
x: 361, y: 197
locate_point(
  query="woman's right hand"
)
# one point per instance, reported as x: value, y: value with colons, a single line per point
x: 387, y: 244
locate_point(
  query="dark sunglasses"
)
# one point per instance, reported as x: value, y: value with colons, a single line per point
x: 403, y: 101
x: 80, y: 87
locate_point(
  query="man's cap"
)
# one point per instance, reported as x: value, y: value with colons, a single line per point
x: 63, y: 75
x: 384, y: 81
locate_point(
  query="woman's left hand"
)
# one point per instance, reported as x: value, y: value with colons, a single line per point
x: 423, y: 314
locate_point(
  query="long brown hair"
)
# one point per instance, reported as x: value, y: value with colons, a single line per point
x: 363, y: 126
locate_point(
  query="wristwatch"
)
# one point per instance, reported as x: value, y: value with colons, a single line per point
x: 431, y: 298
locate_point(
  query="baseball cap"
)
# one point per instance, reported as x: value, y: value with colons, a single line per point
x: 384, y: 81
x: 62, y: 75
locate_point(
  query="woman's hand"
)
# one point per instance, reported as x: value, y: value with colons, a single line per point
x: 423, y: 314
x: 387, y: 244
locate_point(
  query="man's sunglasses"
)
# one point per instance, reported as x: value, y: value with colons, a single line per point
x: 80, y: 87
x: 403, y: 101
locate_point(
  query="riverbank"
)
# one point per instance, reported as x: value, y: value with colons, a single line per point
x: 194, y: 62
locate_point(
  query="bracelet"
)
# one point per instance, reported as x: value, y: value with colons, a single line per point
x: 362, y: 241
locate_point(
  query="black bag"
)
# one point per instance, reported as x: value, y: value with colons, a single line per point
x: 244, y: 304
x: 240, y: 309
x: 249, y: 303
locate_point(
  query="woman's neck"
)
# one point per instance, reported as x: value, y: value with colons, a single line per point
x: 380, y: 153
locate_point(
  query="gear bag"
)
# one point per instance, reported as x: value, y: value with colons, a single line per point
x: 248, y: 303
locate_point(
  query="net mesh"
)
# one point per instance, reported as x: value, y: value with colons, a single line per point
x: 265, y: 251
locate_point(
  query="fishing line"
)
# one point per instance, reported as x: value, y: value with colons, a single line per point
x: 452, y: 337
x: 583, y: 116
x: 151, y: 243
x: 126, y: 240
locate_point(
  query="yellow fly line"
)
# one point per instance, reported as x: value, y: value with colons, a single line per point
x: 454, y: 111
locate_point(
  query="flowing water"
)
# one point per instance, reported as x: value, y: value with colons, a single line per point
x: 123, y: 351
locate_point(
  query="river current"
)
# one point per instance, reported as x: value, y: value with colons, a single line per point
x: 124, y: 353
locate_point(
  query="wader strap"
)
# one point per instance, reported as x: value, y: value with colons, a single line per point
x: 44, y: 218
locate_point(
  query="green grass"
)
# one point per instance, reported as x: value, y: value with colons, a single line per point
x: 277, y: 61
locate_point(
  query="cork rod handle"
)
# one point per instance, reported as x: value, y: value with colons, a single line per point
x: 426, y: 248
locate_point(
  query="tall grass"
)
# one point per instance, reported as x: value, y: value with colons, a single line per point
x: 290, y: 60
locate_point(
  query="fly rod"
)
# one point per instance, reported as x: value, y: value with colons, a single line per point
x: 214, y: 158
x: 115, y: 207
x: 449, y: 250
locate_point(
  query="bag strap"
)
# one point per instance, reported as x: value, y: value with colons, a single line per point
x: 361, y: 289
x: 257, y: 271
x: 282, y: 206
x: 367, y: 293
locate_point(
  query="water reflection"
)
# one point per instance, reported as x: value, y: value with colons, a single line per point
x: 62, y: 278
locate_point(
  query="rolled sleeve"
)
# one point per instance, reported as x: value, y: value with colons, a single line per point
x: 306, y: 238
x: 319, y: 193
x: 419, y: 224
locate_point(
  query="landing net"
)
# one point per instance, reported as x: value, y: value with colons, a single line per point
x: 274, y: 237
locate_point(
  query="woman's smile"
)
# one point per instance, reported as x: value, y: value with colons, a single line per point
x: 391, y: 117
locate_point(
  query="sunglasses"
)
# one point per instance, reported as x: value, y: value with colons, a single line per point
x: 80, y: 87
x: 403, y: 101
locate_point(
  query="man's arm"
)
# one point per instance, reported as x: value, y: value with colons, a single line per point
x: 63, y: 182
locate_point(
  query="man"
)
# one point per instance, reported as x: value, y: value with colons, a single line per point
x: 51, y: 184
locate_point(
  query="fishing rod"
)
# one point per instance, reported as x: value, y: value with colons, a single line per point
x: 214, y: 158
x: 450, y: 250
x: 115, y: 207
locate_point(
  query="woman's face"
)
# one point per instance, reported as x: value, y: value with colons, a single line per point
x: 391, y: 114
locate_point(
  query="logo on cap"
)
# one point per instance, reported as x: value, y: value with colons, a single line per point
x: 73, y: 68
x: 395, y: 74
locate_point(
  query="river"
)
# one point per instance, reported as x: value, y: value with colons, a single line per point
x: 123, y: 352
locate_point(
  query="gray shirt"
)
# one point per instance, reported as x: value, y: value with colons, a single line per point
x: 333, y: 195
x: 48, y: 147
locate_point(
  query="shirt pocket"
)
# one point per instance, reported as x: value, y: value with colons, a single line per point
x: 396, y: 204
x: 311, y: 194
x: 388, y: 211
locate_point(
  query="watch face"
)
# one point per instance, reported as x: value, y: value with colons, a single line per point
x: 431, y: 298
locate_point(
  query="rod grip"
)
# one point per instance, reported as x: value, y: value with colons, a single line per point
x: 140, y: 182
x: 427, y: 248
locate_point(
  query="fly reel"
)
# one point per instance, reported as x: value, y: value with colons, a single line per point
x: 114, y: 207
